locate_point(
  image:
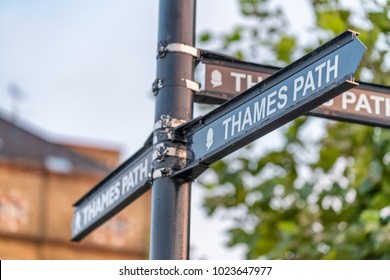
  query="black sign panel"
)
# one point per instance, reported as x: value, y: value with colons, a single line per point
x: 365, y: 104
x: 117, y: 190
x: 225, y: 80
x: 289, y: 93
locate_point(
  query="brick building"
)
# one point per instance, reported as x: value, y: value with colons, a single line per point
x: 39, y: 182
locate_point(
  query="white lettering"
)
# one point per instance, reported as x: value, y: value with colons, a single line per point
x: 333, y: 68
x: 377, y: 102
x: 85, y: 214
x: 117, y: 191
x: 250, y: 83
x: 143, y: 170
x: 309, y: 84
x: 226, y: 124
x: 125, y: 183
x: 98, y: 206
x: 271, y: 102
x: 282, y: 96
x: 318, y: 69
x: 106, y: 198
x: 236, y: 123
x: 363, y: 104
x: 348, y: 97
x: 135, y: 173
x: 247, y: 118
x: 259, y: 112
x: 238, y: 77
x: 298, y: 84
x: 101, y: 202
x: 131, y: 183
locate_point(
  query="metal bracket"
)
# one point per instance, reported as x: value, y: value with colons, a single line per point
x: 163, y: 135
x: 158, y: 173
x: 166, y: 121
x: 161, y: 151
x: 164, y: 130
x: 164, y: 47
x: 157, y: 84
x: 169, y: 82
x: 194, y: 86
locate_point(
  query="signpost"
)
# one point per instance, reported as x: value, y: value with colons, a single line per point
x: 183, y: 148
x: 117, y: 190
x: 289, y: 93
x: 171, y: 197
x: 367, y: 104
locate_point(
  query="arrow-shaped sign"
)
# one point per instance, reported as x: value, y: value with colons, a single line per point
x: 226, y: 78
x: 117, y: 190
x: 367, y: 104
x: 296, y: 89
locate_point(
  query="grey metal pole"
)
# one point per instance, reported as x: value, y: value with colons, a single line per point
x: 170, y: 217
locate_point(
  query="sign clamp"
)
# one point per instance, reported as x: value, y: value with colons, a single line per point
x: 166, y: 121
x: 164, y: 48
x: 161, y: 172
x: 164, y: 130
x: 161, y: 151
x: 159, y: 83
x: 164, y: 133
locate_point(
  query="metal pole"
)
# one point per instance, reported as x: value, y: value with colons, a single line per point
x: 170, y: 217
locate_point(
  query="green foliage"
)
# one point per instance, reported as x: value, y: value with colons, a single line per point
x: 322, y: 199
x: 283, y: 48
x: 204, y: 37
x: 333, y: 20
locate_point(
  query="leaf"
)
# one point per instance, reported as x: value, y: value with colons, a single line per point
x: 381, y: 20
x: 235, y: 36
x: 212, y: 203
x: 238, y: 235
x: 284, y: 48
x: 239, y: 55
x: 288, y: 227
x: 367, y: 186
x: 328, y: 156
x: 332, y: 20
x: 380, y: 201
x: 205, y: 37
x: 305, y: 191
x: 292, y: 131
x: 370, y: 219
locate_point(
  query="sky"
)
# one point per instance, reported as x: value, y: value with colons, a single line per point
x: 85, y: 70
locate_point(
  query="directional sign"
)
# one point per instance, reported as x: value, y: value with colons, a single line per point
x: 289, y: 93
x: 117, y: 190
x: 365, y: 104
x: 225, y: 79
